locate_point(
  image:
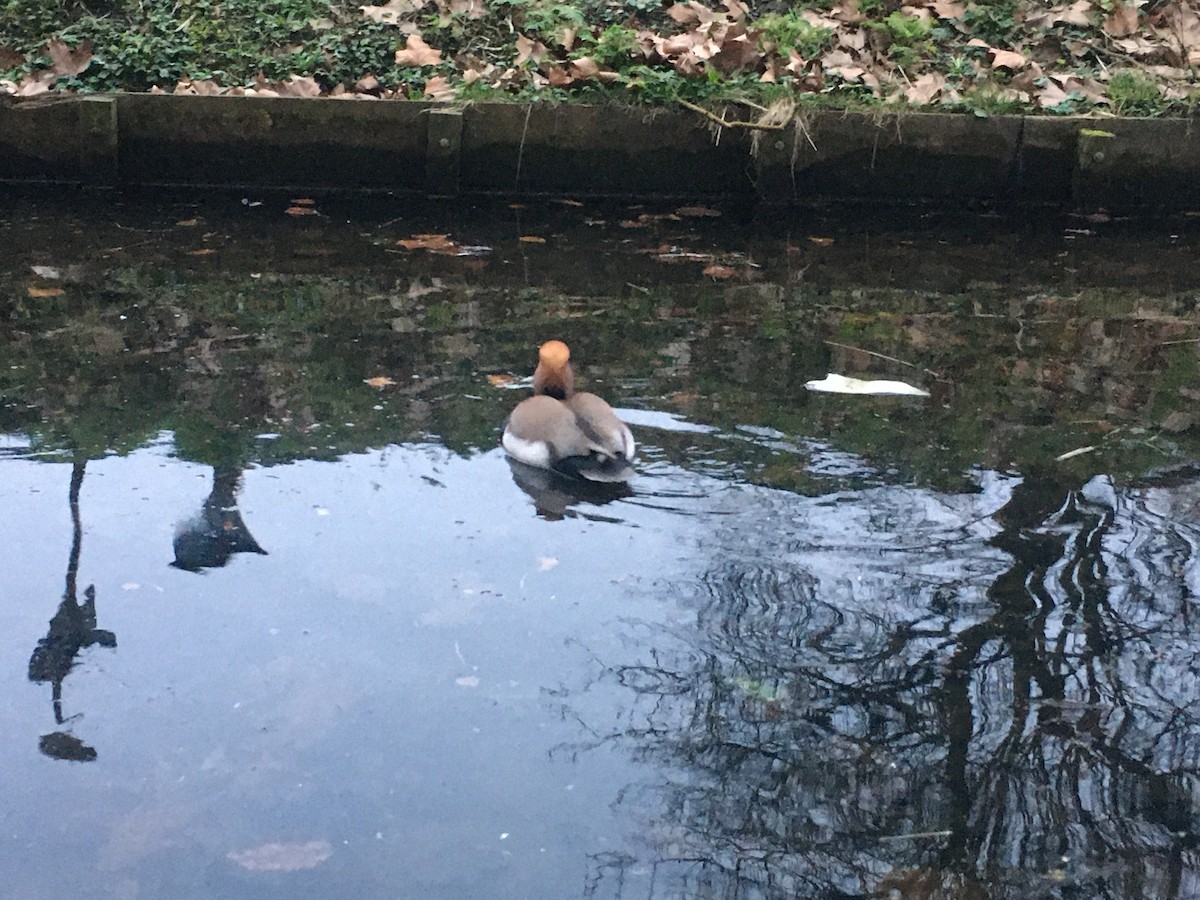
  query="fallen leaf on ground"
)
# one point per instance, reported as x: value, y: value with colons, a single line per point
x: 35, y: 291
x: 291, y: 857
x: 501, y: 380
x: 298, y: 86
x: 418, y: 53
x: 926, y: 87
x: 438, y: 88
x: 1122, y: 21
x: 716, y: 271
x: 947, y: 9
x: 531, y: 239
x: 34, y: 84
x: 820, y: 241
x: 188, y: 223
x: 202, y: 251
x: 842, y: 384
x: 379, y: 381
x: 301, y: 211
x: 391, y: 13
x: 68, y: 60
x: 1005, y: 59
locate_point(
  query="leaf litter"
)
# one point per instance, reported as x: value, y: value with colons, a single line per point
x: 1063, y: 57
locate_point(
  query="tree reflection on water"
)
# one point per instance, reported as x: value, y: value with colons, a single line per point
x: 899, y: 693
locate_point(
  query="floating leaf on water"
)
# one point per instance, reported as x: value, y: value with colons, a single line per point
x: 841, y: 384
x: 283, y: 857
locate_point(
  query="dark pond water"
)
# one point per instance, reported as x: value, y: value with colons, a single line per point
x: 269, y: 631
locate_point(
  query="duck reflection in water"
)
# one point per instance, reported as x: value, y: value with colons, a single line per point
x: 72, y: 629
x: 555, y: 497
x: 208, y: 540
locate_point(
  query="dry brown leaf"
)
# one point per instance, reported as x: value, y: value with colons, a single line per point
x: 202, y: 251
x: 1005, y: 59
x: 391, y: 12
x: 417, y: 53
x: 201, y: 88
x: 471, y: 9
x: 439, y: 88
x: 1050, y: 95
x: 379, y: 381
x: 718, y: 271
x: 529, y: 49
x: 1180, y: 27
x: 1078, y: 14
x: 290, y: 857
x: 434, y: 243
x: 301, y: 211
x: 501, y: 380
x: 1122, y: 21
x: 821, y: 241
x: 584, y: 67
x: 558, y: 76
x: 737, y: 53
x: 68, y: 60
x: 368, y: 84
x: 947, y: 9
x: 34, y: 84
x: 925, y: 88
x: 689, y: 13
x: 298, y: 86
x: 36, y: 291
x: 531, y: 239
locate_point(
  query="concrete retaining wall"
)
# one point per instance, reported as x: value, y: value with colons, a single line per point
x: 137, y: 140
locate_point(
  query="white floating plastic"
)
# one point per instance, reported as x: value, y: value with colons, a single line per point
x: 841, y: 384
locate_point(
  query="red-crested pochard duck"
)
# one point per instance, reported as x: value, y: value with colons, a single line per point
x: 575, y: 434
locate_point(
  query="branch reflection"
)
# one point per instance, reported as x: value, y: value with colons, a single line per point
x: 905, y: 692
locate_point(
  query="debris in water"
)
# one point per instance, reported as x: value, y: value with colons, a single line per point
x: 842, y: 384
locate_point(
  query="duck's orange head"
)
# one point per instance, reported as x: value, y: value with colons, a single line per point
x: 553, y: 375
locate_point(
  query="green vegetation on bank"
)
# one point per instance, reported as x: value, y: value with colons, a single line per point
x: 1104, y: 56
